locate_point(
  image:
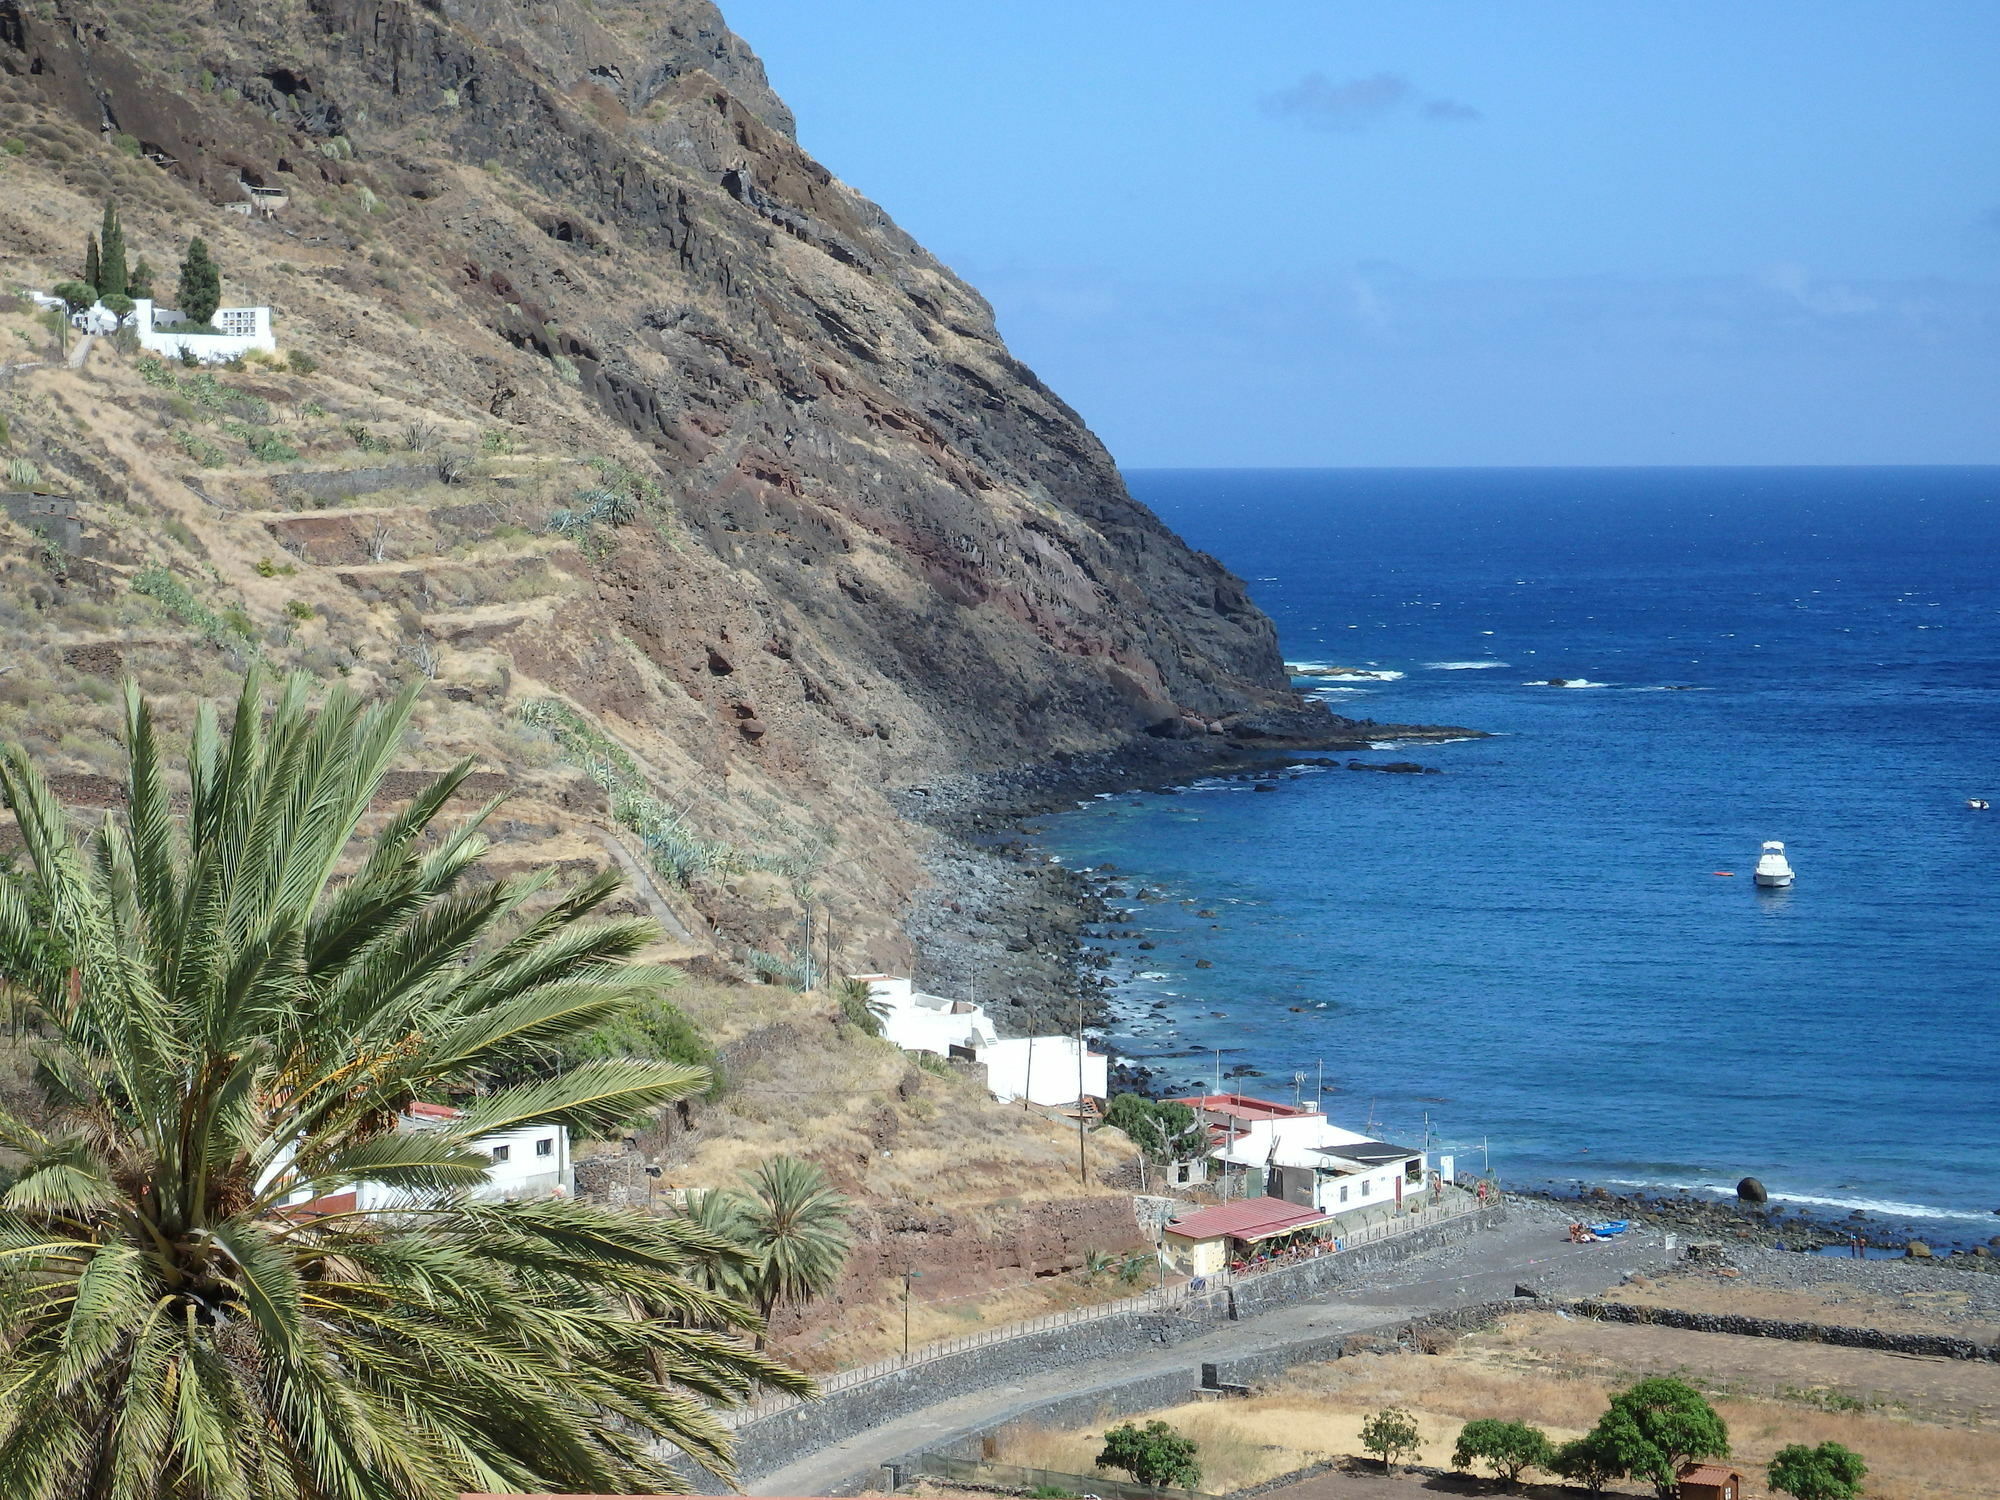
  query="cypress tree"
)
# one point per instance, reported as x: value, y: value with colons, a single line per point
x: 114, y: 280
x: 93, y: 266
x: 200, y: 291
x: 140, y: 282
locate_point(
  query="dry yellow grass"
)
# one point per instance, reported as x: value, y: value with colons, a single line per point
x: 1521, y: 1372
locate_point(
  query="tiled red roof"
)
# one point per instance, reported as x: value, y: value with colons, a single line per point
x: 425, y: 1110
x: 1709, y: 1474
x: 1246, y: 1219
x: 1243, y: 1107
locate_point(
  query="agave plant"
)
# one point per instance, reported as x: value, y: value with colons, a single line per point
x: 240, y: 1014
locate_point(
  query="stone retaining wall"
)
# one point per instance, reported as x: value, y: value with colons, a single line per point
x: 1935, y: 1344
x: 789, y: 1435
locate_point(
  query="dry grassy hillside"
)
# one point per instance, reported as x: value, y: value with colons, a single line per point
x: 403, y: 494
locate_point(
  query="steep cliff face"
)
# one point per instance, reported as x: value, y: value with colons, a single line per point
x: 882, y: 550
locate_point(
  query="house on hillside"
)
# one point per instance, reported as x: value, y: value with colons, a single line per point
x: 918, y: 1022
x: 1293, y: 1153
x: 238, y: 331
x: 1041, y: 1069
x: 1051, y: 1070
x: 1211, y: 1239
x: 531, y: 1161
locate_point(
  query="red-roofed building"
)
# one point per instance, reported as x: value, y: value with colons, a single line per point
x: 1207, y: 1241
x: 1701, y: 1481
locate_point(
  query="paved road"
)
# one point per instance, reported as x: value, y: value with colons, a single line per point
x: 1528, y: 1250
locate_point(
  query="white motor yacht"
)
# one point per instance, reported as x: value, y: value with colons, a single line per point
x: 1773, y: 871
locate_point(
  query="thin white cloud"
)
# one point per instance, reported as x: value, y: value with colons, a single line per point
x: 1318, y: 103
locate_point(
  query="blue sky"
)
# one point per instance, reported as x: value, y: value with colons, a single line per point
x: 1360, y: 232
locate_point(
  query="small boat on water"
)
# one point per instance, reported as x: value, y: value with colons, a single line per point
x: 1773, y: 871
x: 1977, y: 804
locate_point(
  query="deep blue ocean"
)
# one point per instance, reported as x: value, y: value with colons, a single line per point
x: 1532, y: 954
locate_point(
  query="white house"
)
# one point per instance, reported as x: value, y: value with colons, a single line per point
x: 532, y: 1161
x: 1298, y: 1155
x: 918, y: 1022
x: 241, y: 330
x: 1044, y: 1070
x: 1041, y: 1069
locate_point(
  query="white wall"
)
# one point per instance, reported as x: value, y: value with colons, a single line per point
x: 531, y: 1162
x: 1043, y: 1070
x: 243, y: 329
x: 917, y: 1022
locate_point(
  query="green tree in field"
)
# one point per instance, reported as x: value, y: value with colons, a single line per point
x: 1591, y: 1461
x: 1392, y: 1436
x: 795, y: 1226
x: 234, y: 1031
x: 1656, y: 1426
x: 200, y: 289
x: 76, y: 295
x: 113, y: 279
x: 1508, y: 1447
x: 1153, y: 1455
x: 1828, y: 1472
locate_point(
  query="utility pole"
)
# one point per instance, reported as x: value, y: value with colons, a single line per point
x: 1218, y: 1069
x: 1321, y: 1094
x: 908, y: 1277
x: 1082, y: 1161
x: 1028, y: 1084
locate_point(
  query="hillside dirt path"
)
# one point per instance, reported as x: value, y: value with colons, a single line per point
x: 1528, y: 1250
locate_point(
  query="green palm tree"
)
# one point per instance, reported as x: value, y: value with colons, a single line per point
x: 795, y: 1224
x: 719, y: 1213
x: 240, y: 1016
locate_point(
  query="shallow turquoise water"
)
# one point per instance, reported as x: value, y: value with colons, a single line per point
x: 1532, y: 949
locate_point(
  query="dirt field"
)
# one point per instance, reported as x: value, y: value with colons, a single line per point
x: 1922, y: 1308
x: 1928, y: 1428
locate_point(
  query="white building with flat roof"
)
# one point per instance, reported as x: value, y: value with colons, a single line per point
x: 1044, y: 1070
x: 238, y: 331
x: 1307, y: 1160
x: 918, y: 1022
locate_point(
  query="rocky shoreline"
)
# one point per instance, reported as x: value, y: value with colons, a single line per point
x: 1001, y: 925
x: 1769, y: 1226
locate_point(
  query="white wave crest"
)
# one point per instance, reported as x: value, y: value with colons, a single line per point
x: 1464, y: 666
x: 1356, y: 674
x: 1566, y: 682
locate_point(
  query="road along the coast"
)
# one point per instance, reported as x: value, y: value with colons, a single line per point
x: 1529, y: 1250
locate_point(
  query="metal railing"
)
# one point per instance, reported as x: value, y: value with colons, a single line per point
x: 1160, y: 1299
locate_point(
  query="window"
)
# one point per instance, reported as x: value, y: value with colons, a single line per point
x: 1365, y: 1186
x: 1343, y: 1192
x: 500, y: 1154
x: 546, y: 1146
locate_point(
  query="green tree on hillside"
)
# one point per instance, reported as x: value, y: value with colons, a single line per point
x: 1591, y: 1460
x: 1828, y: 1472
x: 795, y: 1225
x: 140, y: 284
x: 234, y: 1030
x: 113, y: 280
x: 1392, y: 1436
x: 1163, y: 1130
x: 1656, y: 1426
x: 93, y: 266
x: 1154, y: 1455
x: 200, y: 289
x: 1508, y: 1447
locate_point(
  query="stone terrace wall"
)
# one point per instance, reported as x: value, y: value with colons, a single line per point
x: 1937, y: 1345
x: 791, y: 1434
